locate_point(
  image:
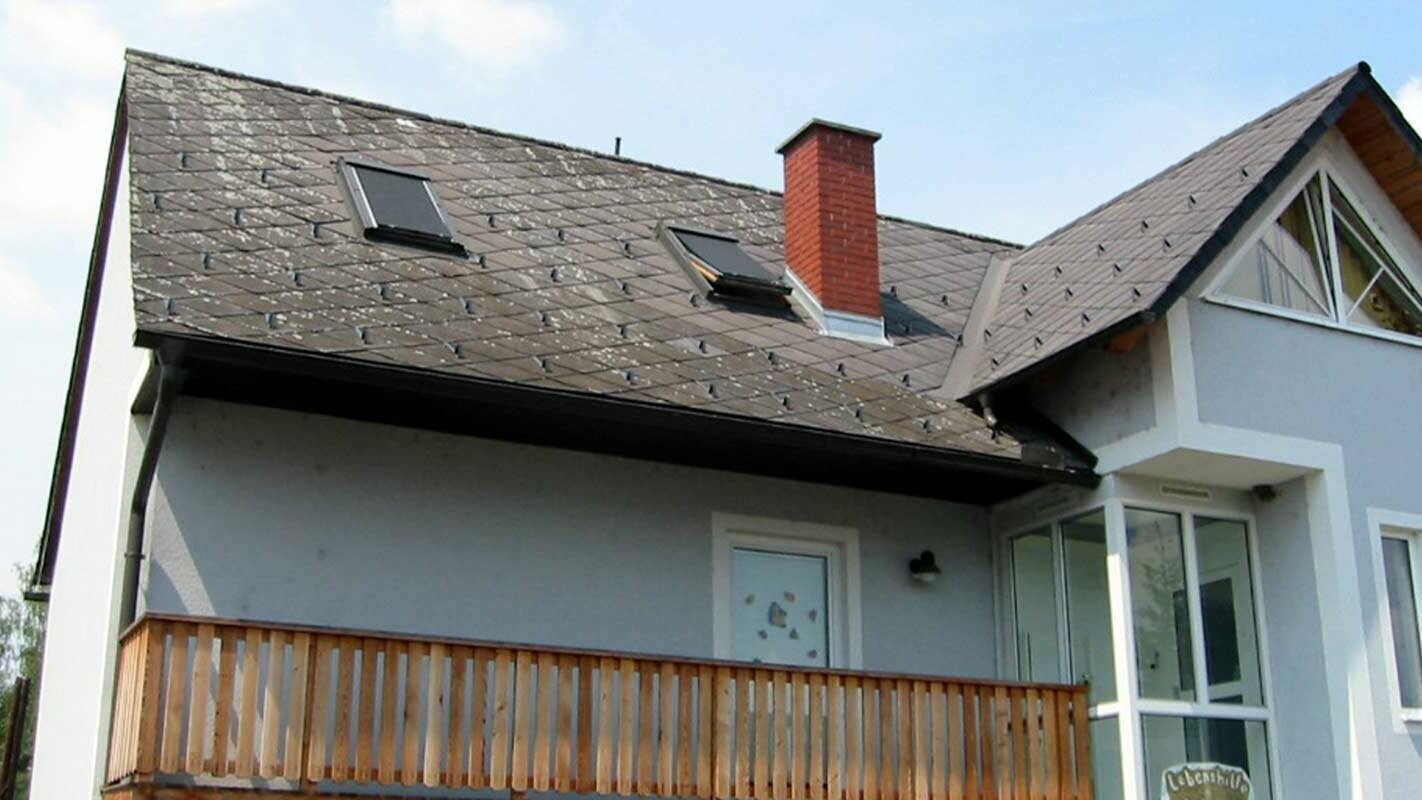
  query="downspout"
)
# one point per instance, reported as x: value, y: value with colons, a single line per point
x: 169, y: 380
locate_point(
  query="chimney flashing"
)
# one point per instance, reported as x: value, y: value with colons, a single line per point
x: 816, y: 122
x: 837, y: 324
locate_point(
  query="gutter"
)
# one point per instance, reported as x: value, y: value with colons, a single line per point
x: 169, y: 381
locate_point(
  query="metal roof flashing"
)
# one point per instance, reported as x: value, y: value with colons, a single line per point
x: 837, y: 324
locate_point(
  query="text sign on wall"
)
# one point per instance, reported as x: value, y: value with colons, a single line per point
x: 1205, y: 782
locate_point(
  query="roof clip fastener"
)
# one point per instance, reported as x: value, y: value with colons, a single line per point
x: 553, y: 274
x: 905, y: 379
x: 271, y: 320
x: 469, y: 305
x: 840, y: 368
x: 170, y: 307
x: 629, y: 376
x: 157, y: 202
x: 316, y: 230
x: 491, y: 220
x: 711, y: 389
x: 385, y: 291
x: 785, y: 401
x: 625, y: 287
x: 207, y: 260
x: 627, y: 249
x: 859, y: 413
x: 296, y: 277
x: 455, y: 349
x: 265, y: 174
x: 363, y: 334
x: 622, y: 330
x: 182, y: 161
x: 237, y: 216
x: 543, y: 319
x: 543, y: 364
x: 695, y: 299
x: 480, y: 260
x: 562, y: 236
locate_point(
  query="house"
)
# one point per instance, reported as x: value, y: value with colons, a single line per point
x: 407, y: 457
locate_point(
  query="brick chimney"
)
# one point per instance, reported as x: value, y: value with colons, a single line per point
x: 832, y: 227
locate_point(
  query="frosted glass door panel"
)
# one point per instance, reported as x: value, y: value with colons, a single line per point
x: 779, y: 607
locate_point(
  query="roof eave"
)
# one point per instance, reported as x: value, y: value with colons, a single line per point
x: 1223, y: 235
x: 670, y: 433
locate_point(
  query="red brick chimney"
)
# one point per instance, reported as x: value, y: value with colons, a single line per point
x: 831, y: 225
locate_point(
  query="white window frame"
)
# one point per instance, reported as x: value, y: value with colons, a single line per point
x: 1128, y: 708
x: 1344, y: 171
x: 838, y: 545
x: 1383, y: 524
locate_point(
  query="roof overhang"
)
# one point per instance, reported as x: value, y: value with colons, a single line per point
x: 356, y: 389
x: 1362, y: 108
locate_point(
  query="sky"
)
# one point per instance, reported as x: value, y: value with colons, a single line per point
x: 1004, y: 118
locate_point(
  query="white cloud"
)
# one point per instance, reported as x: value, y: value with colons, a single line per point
x: 492, y: 34
x: 198, y: 8
x: 68, y: 36
x: 54, y: 162
x: 1409, y: 99
x: 21, y: 298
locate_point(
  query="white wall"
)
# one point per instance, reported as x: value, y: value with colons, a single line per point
x: 1331, y: 386
x: 72, y: 731
x: 276, y: 515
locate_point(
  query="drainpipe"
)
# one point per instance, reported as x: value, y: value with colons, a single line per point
x: 169, y: 380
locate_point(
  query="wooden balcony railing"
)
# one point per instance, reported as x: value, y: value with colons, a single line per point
x: 302, y: 709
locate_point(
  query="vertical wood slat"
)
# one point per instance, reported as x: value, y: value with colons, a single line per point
x: 834, y: 701
x: 1082, y: 740
x: 365, y: 711
x: 197, y: 709
x: 222, y: 714
x: 341, y: 729
x: 172, y: 716
x: 389, y: 699
x: 301, y: 677
x: 761, y: 770
x: 685, y: 680
x: 796, y: 738
x: 585, y: 781
x: 320, y: 702
x: 523, y: 715
x: 563, y: 750
x: 645, y: 733
x: 723, y: 705
x: 271, y: 704
x: 414, y: 680
x: 605, y: 718
x: 455, y: 748
x: 854, y: 735
x: 705, y: 695
x: 666, y: 753
x: 477, y: 773
x: 626, y: 722
x: 434, y: 715
x: 543, y: 722
x: 641, y: 725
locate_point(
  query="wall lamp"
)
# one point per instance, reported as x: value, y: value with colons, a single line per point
x: 924, y: 568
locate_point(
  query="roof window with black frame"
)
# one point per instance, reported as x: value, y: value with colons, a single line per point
x: 721, y: 269
x: 397, y: 205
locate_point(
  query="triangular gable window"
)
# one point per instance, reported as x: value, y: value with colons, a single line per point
x: 1321, y: 259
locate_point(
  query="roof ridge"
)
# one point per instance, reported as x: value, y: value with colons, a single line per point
x: 1360, y: 67
x: 420, y: 115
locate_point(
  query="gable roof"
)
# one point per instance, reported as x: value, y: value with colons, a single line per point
x: 240, y: 233
x: 1125, y: 262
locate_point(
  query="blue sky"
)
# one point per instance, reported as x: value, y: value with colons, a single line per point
x: 1007, y: 119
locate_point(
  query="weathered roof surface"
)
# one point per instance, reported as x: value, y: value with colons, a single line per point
x: 241, y: 232
x: 1121, y: 258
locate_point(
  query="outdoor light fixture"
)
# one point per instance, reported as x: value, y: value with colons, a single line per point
x: 924, y: 568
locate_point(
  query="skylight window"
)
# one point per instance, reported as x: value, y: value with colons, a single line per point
x: 722, y: 269
x: 398, y: 206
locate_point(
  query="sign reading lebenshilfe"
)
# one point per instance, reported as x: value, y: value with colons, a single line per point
x: 1205, y: 782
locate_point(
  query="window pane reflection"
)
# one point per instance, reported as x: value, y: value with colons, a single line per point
x: 1172, y: 741
x: 1088, y: 604
x: 1227, y: 612
x: 1034, y: 582
x: 1160, y: 607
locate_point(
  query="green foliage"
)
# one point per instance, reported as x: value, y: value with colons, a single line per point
x: 21, y: 644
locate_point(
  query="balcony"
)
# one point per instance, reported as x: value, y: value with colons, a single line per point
x: 208, y: 708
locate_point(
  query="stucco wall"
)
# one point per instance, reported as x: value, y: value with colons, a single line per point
x: 1100, y: 397
x: 1290, y: 609
x: 1279, y: 376
x: 275, y: 515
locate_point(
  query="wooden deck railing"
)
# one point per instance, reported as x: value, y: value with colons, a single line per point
x: 306, y: 709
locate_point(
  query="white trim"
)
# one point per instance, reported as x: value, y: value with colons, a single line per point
x: 839, y: 544
x: 1407, y: 527
x: 1333, y: 165
x: 839, y: 324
